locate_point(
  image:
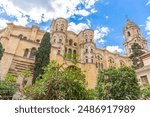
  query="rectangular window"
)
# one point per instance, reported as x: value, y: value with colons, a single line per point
x: 144, y: 80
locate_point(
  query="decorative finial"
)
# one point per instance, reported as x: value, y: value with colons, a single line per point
x: 127, y: 17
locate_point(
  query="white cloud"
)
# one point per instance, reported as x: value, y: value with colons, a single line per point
x: 93, y: 10
x: 102, y: 41
x: 44, y: 10
x: 114, y: 48
x: 77, y: 27
x: 89, y: 3
x: 88, y: 22
x: 82, y: 12
x: 148, y: 3
x: 3, y: 23
x: 80, y: 18
x: 100, y: 33
x: 21, y: 21
x: 141, y: 25
x: 107, y: 17
x: 148, y: 25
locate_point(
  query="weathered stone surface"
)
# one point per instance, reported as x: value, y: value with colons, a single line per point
x: 18, y: 96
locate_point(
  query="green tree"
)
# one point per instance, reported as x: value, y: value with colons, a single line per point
x: 118, y: 84
x: 145, y: 92
x: 7, y: 89
x: 136, y: 53
x: 58, y: 83
x: 42, y: 56
x: 1, y: 51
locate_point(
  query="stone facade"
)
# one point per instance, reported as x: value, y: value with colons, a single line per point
x: 21, y: 43
x: 143, y: 74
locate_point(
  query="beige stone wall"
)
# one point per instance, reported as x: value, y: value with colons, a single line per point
x: 145, y: 71
x: 15, y: 45
x: 5, y: 64
x: 146, y: 61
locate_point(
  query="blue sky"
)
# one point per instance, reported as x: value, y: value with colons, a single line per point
x: 106, y: 17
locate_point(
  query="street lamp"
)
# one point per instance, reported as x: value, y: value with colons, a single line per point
x: 106, y: 77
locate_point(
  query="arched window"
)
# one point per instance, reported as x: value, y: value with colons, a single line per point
x: 74, y: 52
x: 111, y: 62
x: 70, y: 42
x: 86, y: 50
x: 86, y: 59
x: 96, y: 65
x: 101, y: 65
x: 65, y: 49
x: 60, y: 40
x: 91, y: 36
x: 62, y: 27
x: 26, y: 52
x: 135, y: 40
x: 69, y: 51
x: 58, y: 52
x: 99, y: 57
x: 57, y: 26
x: 38, y: 40
x: 86, y: 40
x: 91, y: 40
x: 92, y: 59
x: 122, y: 63
x: 129, y: 34
x: 33, y: 53
x: 91, y: 50
x: 75, y: 44
x: 54, y: 39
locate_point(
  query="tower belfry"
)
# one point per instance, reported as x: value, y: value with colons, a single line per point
x: 133, y: 35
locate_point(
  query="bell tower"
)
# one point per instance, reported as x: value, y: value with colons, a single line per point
x: 133, y: 35
x: 88, y: 47
x: 59, y: 34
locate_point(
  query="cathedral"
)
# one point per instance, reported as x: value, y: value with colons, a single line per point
x: 21, y: 43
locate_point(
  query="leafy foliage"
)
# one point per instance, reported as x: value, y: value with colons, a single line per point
x: 58, y: 83
x: 25, y: 74
x: 7, y: 89
x: 1, y: 51
x: 136, y: 53
x: 72, y: 57
x: 42, y: 56
x: 118, y: 84
x: 145, y: 92
x: 10, y: 77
